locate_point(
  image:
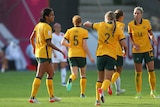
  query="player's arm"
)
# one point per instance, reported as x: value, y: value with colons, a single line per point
x: 124, y: 46
x: 65, y: 42
x: 136, y: 46
x: 32, y: 40
x: 54, y: 54
x: 131, y: 38
x: 88, y: 24
x: 151, y: 36
x: 49, y: 43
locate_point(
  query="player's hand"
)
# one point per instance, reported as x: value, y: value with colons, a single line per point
x: 124, y: 53
x: 87, y: 24
x: 136, y: 46
x: 92, y: 59
x: 64, y: 55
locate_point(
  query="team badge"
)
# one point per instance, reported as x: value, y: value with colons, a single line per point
x: 49, y: 32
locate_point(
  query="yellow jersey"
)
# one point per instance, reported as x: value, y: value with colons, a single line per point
x: 140, y: 35
x: 107, y: 41
x: 75, y: 36
x: 43, y: 32
x: 119, y: 48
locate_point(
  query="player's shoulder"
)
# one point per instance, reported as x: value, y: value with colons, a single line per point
x: 70, y: 29
x: 84, y: 30
x: 118, y: 23
x: 145, y: 20
x: 80, y: 28
x: 99, y: 23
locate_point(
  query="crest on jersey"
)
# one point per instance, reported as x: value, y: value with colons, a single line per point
x: 49, y: 32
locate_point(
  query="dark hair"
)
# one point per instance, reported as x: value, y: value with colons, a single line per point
x: 45, y: 12
x: 118, y: 13
x: 114, y: 29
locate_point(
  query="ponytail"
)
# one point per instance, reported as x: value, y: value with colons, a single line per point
x: 114, y: 25
x: 41, y: 20
x: 111, y: 17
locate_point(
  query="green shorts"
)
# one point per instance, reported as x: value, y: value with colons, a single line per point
x: 119, y: 61
x: 77, y: 61
x: 105, y: 62
x: 41, y: 60
x: 147, y: 56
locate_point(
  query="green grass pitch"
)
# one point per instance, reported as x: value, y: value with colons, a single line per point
x: 15, y: 88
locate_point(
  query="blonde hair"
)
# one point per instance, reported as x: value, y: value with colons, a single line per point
x: 76, y: 20
x: 138, y: 8
x: 111, y: 17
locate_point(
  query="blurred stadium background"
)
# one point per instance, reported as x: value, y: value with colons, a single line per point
x: 18, y: 18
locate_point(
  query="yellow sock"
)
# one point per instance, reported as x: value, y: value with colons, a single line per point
x: 35, y: 86
x: 105, y: 84
x: 114, y: 77
x: 152, y: 80
x: 73, y: 77
x: 83, y: 82
x: 49, y: 84
x: 138, y: 81
x: 98, y: 85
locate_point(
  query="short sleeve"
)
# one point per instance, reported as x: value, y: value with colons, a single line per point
x: 48, y: 32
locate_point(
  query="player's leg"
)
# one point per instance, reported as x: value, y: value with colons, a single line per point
x: 108, y: 72
x: 138, y: 79
x: 72, y: 77
x: 55, y: 66
x: 98, y: 85
x: 138, y: 58
x: 106, y: 83
x: 83, y: 81
x: 41, y: 68
x: 116, y: 76
x: 49, y: 83
x: 149, y: 59
x: 63, y: 73
x: 74, y: 73
x: 118, y: 82
x: 118, y: 69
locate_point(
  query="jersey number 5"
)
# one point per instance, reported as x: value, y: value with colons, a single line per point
x: 75, y: 40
